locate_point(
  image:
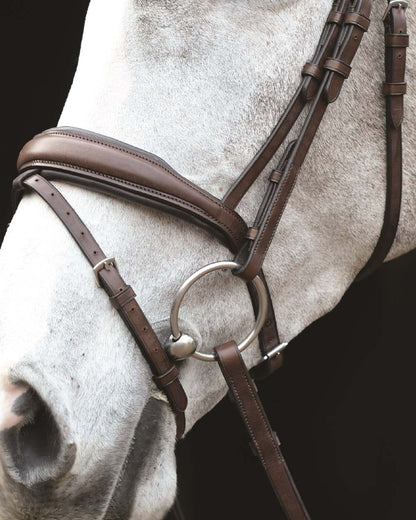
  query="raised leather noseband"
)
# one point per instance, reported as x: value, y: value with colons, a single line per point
x: 110, y: 166
x: 104, y: 164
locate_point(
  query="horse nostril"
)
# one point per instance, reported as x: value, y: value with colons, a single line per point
x: 34, y: 449
x: 14, y: 404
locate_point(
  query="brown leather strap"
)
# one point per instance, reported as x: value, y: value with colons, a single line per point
x: 264, y: 441
x: 311, y: 75
x: 253, y: 253
x: 268, y: 336
x: 394, y: 88
x: 105, y: 164
x: 127, y: 171
x: 165, y: 373
x: 351, y: 36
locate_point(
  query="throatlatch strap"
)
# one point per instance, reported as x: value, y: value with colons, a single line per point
x: 394, y: 88
x: 263, y: 440
x: 165, y: 373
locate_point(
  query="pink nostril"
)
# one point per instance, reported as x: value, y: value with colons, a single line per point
x: 34, y: 448
x: 12, y: 407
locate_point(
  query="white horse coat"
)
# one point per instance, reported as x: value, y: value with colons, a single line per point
x: 200, y: 84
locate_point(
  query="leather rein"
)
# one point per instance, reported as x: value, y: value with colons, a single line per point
x: 106, y: 165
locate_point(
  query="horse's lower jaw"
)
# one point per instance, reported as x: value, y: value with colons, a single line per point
x: 147, y: 484
x: 145, y: 489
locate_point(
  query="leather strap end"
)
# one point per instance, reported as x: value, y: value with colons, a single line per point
x: 180, y: 425
x: 395, y: 110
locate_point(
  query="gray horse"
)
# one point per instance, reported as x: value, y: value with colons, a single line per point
x: 200, y: 84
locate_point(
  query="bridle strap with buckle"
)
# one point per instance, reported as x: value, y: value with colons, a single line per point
x: 322, y: 81
x: 394, y: 89
x: 105, y: 164
x: 264, y: 441
x: 122, y: 297
x: 337, y: 69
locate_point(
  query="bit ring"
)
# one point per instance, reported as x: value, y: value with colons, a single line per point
x: 261, y: 314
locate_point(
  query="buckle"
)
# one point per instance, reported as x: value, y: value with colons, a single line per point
x: 104, y: 264
x: 395, y: 3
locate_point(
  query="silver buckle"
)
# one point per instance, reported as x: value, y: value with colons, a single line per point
x: 395, y: 3
x: 104, y: 264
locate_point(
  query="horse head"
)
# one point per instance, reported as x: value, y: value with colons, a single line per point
x: 84, y: 431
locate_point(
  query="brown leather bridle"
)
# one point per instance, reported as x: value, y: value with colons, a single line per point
x: 109, y: 166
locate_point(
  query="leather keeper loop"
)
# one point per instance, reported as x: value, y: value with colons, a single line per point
x: 335, y: 17
x: 394, y: 89
x: 311, y: 69
x: 252, y: 233
x: 276, y: 176
x: 357, y: 19
x: 397, y: 40
x: 167, y: 378
x: 338, y: 66
x: 122, y: 298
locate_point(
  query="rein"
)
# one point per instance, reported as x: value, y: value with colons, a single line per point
x: 109, y: 166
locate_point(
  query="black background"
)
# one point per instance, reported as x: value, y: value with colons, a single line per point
x: 342, y: 404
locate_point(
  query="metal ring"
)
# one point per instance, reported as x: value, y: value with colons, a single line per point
x: 261, y: 315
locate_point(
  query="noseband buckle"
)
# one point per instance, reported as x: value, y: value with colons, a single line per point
x: 395, y: 3
x: 104, y: 264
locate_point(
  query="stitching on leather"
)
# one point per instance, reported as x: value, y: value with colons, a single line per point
x: 279, y: 216
x: 134, y: 320
x: 123, y: 150
x: 243, y: 410
x: 266, y: 424
x: 144, y: 188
